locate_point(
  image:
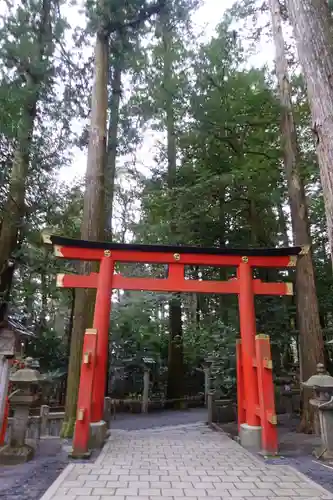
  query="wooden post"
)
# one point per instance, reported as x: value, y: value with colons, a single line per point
x: 269, y: 439
x: 44, y: 416
x: 107, y: 410
x: 247, y: 321
x: 83, y: 418
x: 145, y: 395
x: 101, y: 324
x: 207, y: 382
x: 210, y: 403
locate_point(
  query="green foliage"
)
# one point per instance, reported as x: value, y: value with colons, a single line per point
x: 213, y: 342
x: 137, y: 331
x: 49, y: 349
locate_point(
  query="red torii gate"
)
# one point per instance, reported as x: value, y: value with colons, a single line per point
x: 255, y: 391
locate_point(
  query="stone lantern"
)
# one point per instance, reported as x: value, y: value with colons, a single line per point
x: 322, y: 384
x: 26, y: 382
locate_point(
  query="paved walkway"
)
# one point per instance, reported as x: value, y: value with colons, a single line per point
x: 186, y: 462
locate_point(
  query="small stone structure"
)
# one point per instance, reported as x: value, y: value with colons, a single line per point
x: 322, y: 384
x: 26, y: 382
x: 220, y: 410
x: 147, y: 364
x: 288, y: 400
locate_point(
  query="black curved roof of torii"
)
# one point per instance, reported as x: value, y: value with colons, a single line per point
x: 257, y: 252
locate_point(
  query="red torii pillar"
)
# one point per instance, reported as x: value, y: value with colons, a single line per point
x: 101, y: 323
x: 255, y: 389
x: 247, y: 319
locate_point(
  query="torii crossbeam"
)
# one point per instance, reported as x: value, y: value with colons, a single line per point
x: 256, y: 408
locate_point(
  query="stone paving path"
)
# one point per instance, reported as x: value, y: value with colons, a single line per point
x: 185, y: 462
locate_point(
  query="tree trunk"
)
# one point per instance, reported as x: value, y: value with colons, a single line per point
x: 175, y: 385
x: 14, y: 210
x: 112, y: 146
x: 312, y: 24
x: 93, y: 223
x: 175, y: 355
x: 283, y: 224
x: 224, y: 300
x: 111, y: 155
x: 311, y: 337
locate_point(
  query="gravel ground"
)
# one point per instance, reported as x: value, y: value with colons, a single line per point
x: 307, y: 465
x: 30, y: 481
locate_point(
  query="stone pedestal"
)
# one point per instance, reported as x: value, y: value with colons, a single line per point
x: 19, y: 425
x: 250, y: 437
x: 325, y: 412
x: 10, y: 455
x: 98, y: 433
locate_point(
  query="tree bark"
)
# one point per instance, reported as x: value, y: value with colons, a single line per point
x: 113, y: 136
x: 175, y: 353
x: 313, y: 28
x: 93, y: 223
x: 14, y: 211
x: 224, y: 300
x: 311, y: 337
x: 283, y: 224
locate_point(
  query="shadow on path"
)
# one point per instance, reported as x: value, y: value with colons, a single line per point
x: 130, y: 422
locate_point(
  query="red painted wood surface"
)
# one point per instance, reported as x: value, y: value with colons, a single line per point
x: 269, y: 438
x: 169, y: 258
x: 102, y: 323
x: 174, y: 283
x: 240, y: 386
x: 247, y: 322
x: 84, y: 404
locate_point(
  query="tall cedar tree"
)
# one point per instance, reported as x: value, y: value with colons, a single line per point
x: 94, y: 209
x: 175, y: 356
x: 311, y: 337
x: 34, y: 72
x: 313, y: 27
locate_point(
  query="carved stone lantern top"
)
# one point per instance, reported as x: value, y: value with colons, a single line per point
x: 26, y: 376
x: 322, y: 383
x: 321, y: 380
